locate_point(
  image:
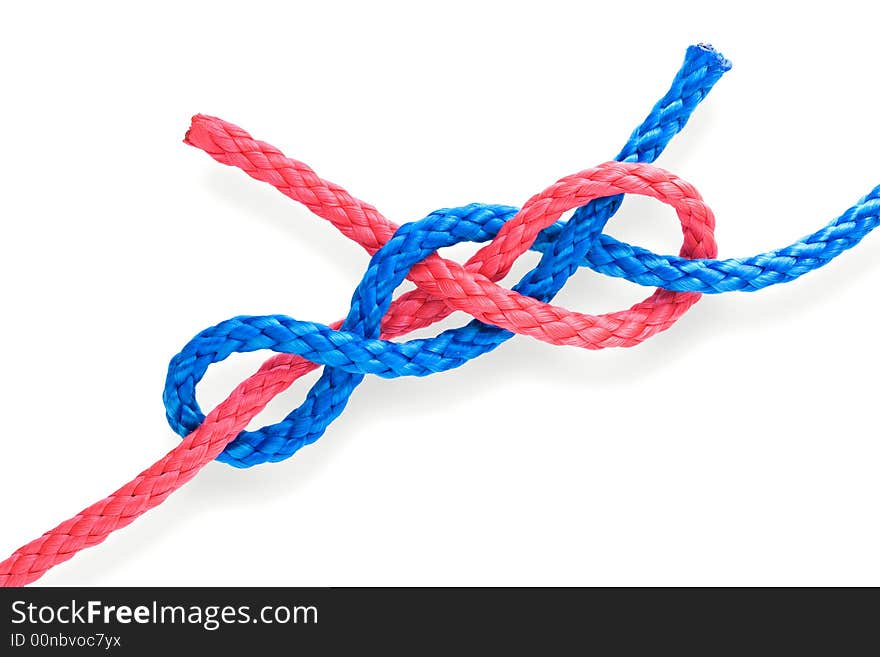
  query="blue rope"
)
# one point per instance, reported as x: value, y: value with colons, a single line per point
x: 355, y: 349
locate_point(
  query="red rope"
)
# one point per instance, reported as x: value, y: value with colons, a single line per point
x: 444, y: 286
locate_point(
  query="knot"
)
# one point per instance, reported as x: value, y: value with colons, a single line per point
x: 358, y: 345
x: 355, y: 348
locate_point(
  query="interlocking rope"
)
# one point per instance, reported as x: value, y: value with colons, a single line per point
x: 358, y: 345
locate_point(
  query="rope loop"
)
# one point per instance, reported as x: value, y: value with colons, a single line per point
x: 354, y: 349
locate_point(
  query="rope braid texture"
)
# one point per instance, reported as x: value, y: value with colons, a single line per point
x: 358, y: 345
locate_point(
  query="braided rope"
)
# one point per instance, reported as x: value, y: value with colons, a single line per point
x: 354, y: 347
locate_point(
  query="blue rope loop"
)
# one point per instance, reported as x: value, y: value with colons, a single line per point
x: 355, y: 350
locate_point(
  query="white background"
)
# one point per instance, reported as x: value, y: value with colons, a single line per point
x: 740, y: 447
